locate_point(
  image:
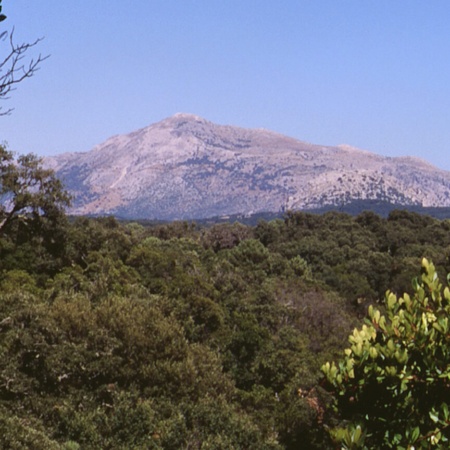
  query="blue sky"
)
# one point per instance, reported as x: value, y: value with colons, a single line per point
x: 372, y: 74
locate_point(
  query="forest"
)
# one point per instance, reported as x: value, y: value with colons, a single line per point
x: 117, y: 335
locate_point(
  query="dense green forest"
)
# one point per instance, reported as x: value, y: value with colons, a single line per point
x: 181, y: 336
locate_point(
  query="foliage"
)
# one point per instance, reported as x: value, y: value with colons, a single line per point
x: 174, y: 335
x: 29, y: 193
x: 33, y: 224
x: 2, y: 16
x: 392, y: 387
x: 360, y: 257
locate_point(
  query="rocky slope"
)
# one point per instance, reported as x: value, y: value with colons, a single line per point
x: 186, y: 167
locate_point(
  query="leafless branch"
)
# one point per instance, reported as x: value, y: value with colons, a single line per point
x: 13, y: 68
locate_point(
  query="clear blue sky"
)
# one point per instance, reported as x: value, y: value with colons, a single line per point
x: 374, y: 74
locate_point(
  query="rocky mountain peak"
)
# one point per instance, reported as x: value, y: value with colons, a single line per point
x: 185, y: 167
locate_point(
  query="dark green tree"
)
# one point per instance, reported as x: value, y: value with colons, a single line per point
x: 29, y: 193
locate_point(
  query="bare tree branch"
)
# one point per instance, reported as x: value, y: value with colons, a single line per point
x: 13, y: 68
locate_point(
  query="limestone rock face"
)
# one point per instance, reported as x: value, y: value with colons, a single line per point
x: 186, y: 167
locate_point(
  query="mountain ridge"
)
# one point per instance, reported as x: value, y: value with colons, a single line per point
x: 186, y: 167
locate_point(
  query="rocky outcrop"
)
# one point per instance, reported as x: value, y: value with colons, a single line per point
x: 186, y: 167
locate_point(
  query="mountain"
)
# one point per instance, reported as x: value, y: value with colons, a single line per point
x: 186, y: 167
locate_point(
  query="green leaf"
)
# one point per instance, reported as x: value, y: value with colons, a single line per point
x: 444, y: 408
x: 391, y: 300
x: 415, y: 434
x: 357, y: 434
x: 434, y: 417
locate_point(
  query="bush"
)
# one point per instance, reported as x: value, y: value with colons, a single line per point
x: 392, y: 386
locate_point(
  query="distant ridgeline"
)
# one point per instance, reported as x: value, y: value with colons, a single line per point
x: 354, y: 208
x: 384, y: 208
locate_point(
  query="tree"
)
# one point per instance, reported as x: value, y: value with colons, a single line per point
x: 393, y: 385
x: 13, y: 69
x: 29, y: 193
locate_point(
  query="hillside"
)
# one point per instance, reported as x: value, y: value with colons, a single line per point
x: 186, y: 167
